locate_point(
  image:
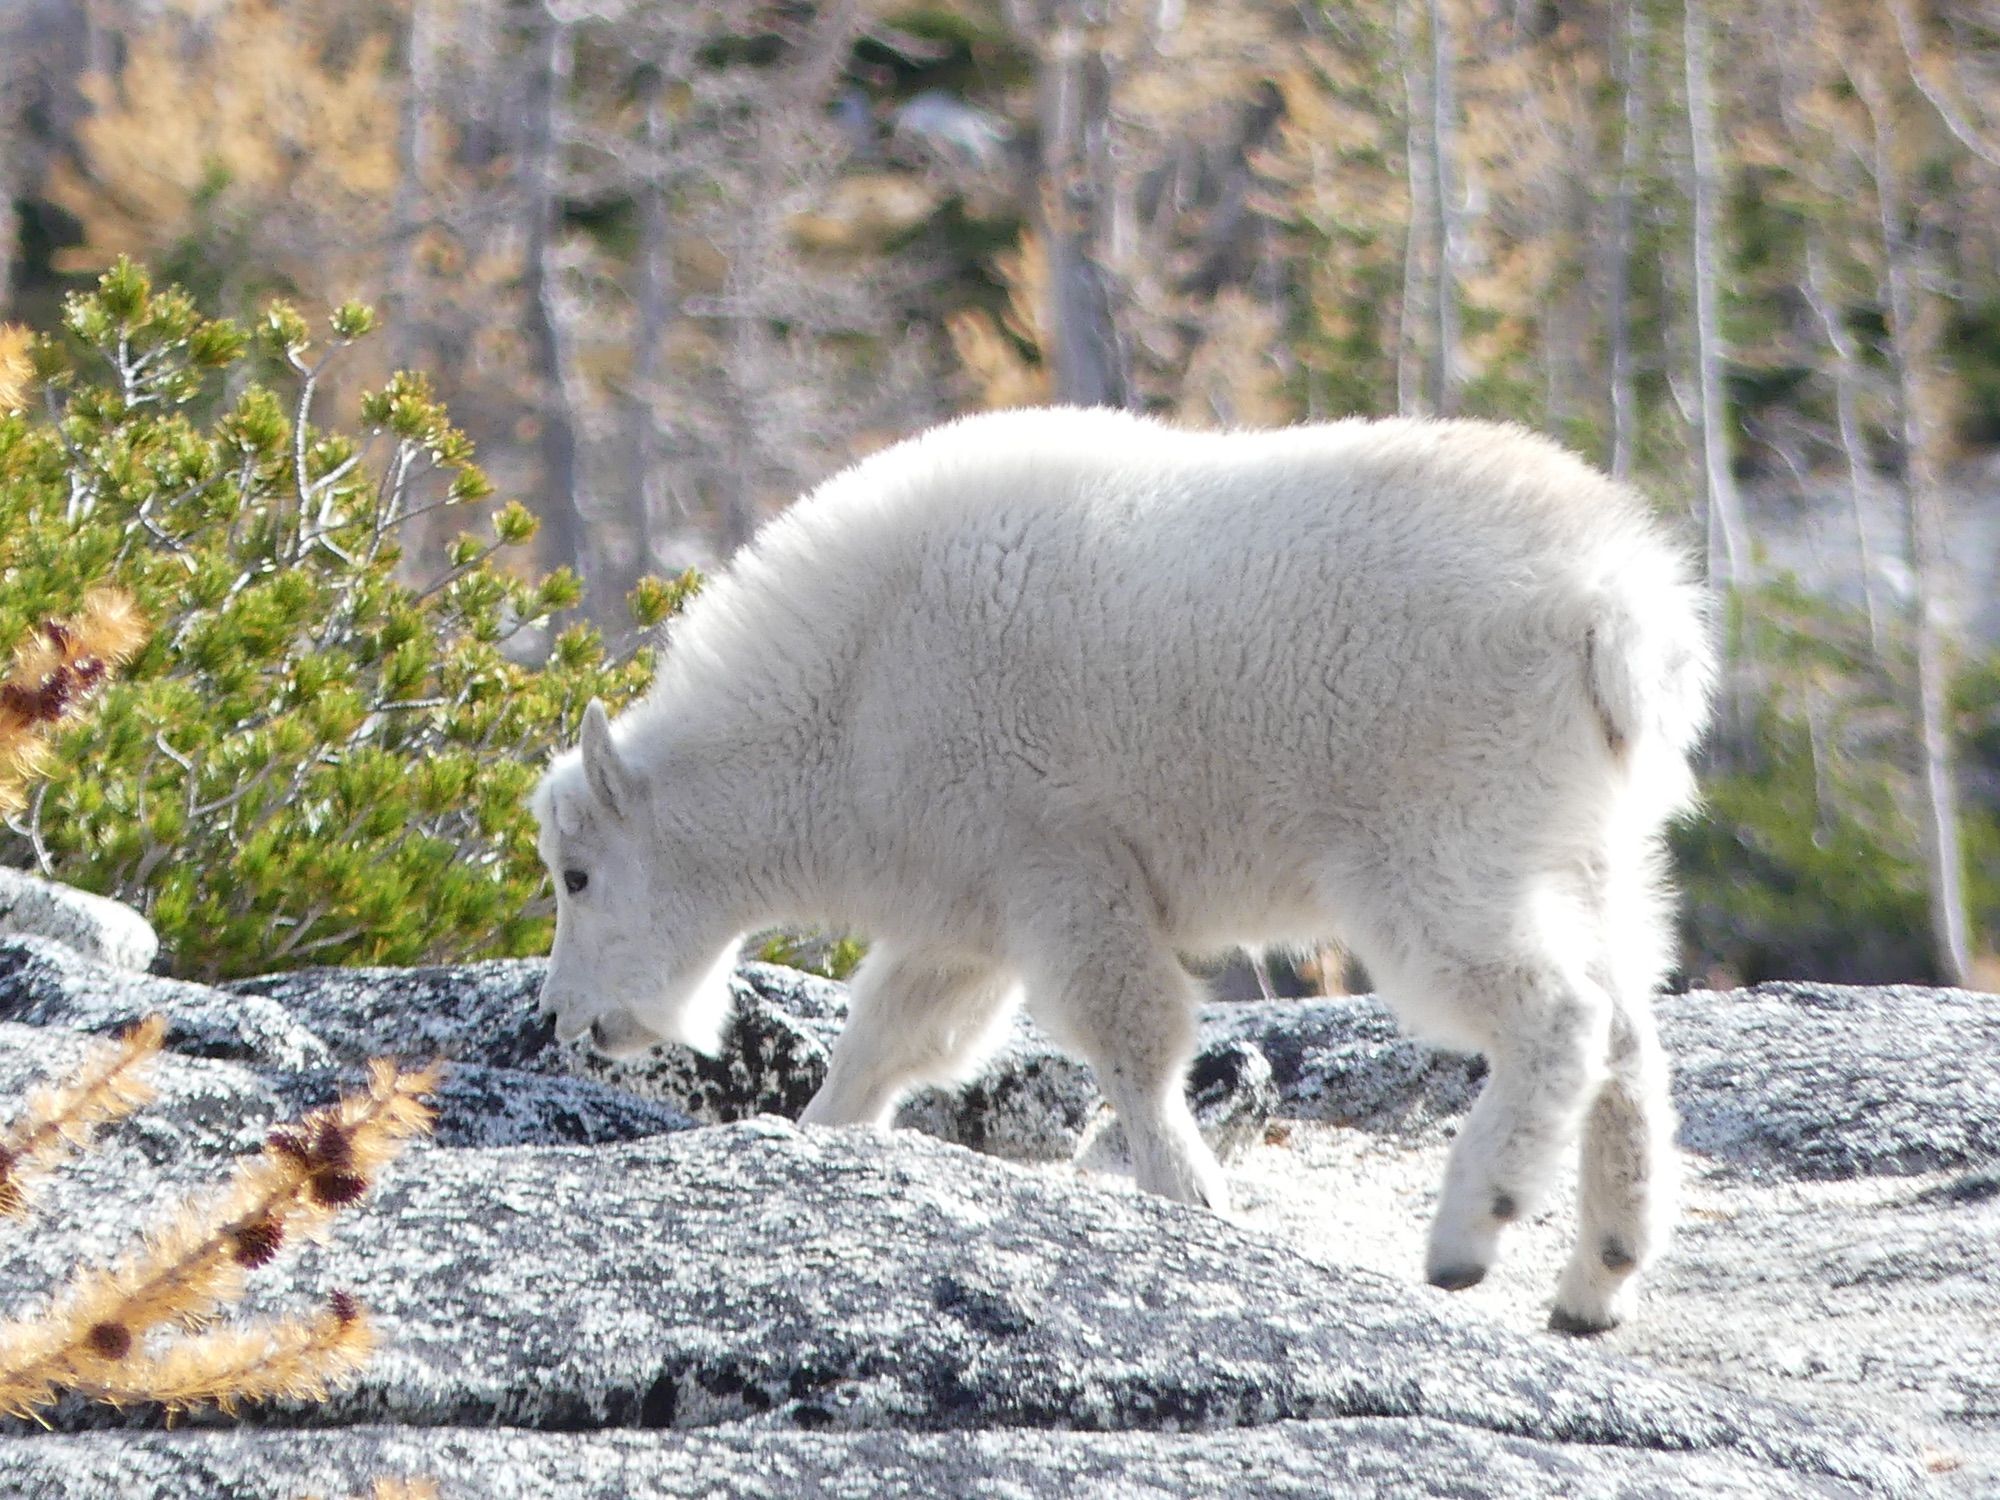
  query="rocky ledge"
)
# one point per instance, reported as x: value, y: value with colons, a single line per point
x: 638, y: 1279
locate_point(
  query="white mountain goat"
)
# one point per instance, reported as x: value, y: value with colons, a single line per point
x: 1042, y: 699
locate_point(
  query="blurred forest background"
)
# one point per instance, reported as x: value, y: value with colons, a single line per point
x: 672, y: 261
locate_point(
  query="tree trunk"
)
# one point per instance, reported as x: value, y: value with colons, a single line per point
x: 1087, y: 359
x: 1446, y: 373
x: 1629, y: 69
x: 1914, y: 322
x: 645, y: 483
x: 1412, y: 316
x: 1087, y: 365
x: 560, y: 510
x: 17, y: 47
x: 756, y: 259
x: 1847, y: 419
x: 1726, y: 556
x: 409, y: 334
x: 10, y: 227
x: 415, y: 149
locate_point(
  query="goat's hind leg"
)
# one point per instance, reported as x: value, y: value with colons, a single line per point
x: 1627, y: 1179
x: 1548, y: 1036
x: 912, y: 1018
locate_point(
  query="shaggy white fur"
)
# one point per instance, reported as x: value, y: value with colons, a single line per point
x: 1043, y: 699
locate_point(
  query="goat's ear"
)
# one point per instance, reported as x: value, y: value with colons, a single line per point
x: 611, y: 780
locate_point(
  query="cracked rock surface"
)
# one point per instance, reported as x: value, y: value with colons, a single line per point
x: 580, y: 1293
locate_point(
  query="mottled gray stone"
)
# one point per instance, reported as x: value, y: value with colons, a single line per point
x: 103, y: 930
x: 44, y: 983
x: 1811, y: 1080
x: 1030, y: 1102
x: 1232, y: 1092
x: 1875, y: 1296
x: 762, y: 1283
x: 1827, y: 1081
x: 850, y: 1313
x: 1359, y: 1458
x: 773, y: 1058
x: 1034, y: 1102
x: 1879, y: 1294
x: 208, y: 1110
x: 1345, y: 1061
x: 1815, y: 1080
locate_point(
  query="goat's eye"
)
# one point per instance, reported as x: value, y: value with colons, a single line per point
x: 574, y: 881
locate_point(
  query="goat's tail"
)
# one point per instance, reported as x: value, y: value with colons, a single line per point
x: 1650, y: 665
x: 1649, y: 669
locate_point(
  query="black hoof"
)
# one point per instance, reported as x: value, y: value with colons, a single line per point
x: 1457, y: 1278
x: 1571, y: 1324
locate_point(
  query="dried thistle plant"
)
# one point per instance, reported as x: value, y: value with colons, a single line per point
x: 59, y: 1119
x: 106, y: 1333
x: 16, y: 368
x: 399, y: 1489
x: 59, y: 664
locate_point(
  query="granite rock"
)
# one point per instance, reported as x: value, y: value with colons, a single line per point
x: 209, y: 1109
x: 1326, y: 1459
x: 791, y: 1296
x: 1808, y: 1080
x: 1345, y: 1062
x: 45, y: 984
x: 102, y: 930
x: 1031, y: 1101
x: 1829, y: 1081
x: 580, y: 1295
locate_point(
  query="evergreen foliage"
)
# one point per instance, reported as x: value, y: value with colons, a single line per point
x: 834, y: 957
x: 315, y: 757
x: 1804, y: 856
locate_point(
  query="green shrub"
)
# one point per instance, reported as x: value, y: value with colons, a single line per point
x: 830, y: 956
x: 314, y: 759
x: 1797, y: 869
x: 1805, y: 858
